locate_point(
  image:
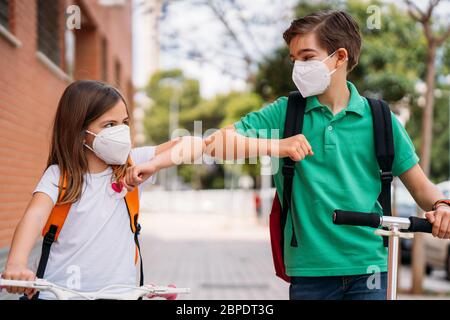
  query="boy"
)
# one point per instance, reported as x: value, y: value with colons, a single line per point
x: 336, y: 168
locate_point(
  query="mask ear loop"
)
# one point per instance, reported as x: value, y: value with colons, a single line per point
x: 84, y: 142
x: 346, y: 59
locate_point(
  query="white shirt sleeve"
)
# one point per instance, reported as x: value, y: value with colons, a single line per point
x: 49, y: 183
x: 141, y: 155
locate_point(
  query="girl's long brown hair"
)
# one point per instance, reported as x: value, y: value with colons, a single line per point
x: 81, y: 103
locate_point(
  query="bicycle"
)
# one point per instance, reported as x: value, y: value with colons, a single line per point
x: 394, y: 228
x: 62, y: 293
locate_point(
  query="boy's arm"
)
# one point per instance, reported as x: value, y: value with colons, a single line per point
x: 185, y: 150
x: 228, y: 144
x: 425, y: 193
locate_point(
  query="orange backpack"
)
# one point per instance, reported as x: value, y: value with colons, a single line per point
x: 59, y: 214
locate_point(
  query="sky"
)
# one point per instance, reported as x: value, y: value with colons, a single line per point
x: 194, y: 27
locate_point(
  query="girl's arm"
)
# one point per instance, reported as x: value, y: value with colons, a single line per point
x: 166, y: 145
x: 184, y: 151
x: 24, y: 239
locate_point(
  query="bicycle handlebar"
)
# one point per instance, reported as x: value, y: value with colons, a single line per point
x: 150, y: 291
x: 374, y: 220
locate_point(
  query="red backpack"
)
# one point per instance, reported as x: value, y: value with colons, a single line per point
x: 384, y: 150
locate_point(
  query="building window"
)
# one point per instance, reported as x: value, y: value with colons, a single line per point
x: 5, y: 12
x: 118, y: 75
x: 104, y: 60
x: 48, y: 30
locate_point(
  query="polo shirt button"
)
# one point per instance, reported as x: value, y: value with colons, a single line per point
x: 330, y: 128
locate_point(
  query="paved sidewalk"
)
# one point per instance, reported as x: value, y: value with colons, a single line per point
x: 217, y: 257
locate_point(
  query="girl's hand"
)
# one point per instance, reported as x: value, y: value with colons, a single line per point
x: 18, y: 272
x: 138, y: 174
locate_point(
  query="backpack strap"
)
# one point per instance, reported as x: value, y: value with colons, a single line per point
x: 132, y: 202
x: 53, y: 227
x: 293, y: 125
x: 384, y: 151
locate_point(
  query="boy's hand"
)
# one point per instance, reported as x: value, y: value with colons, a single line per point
x: 17, y: 272
x: 441, y: 221
x: 296, y: 148
x: 138, y: 174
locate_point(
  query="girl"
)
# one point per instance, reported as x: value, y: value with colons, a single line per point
x: 90, y: 146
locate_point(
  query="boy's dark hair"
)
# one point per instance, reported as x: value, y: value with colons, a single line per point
x: 334, y: 30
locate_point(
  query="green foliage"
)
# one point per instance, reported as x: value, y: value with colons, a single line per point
x: 439, y: 170
x: 387, y: 71
x: 215, y: 113
x: 166, y: 88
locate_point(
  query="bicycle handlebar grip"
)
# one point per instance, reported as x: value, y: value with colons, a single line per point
x: 353, y: 218
x: 420, y: 225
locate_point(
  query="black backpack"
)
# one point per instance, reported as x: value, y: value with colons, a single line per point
x: 384, y: 150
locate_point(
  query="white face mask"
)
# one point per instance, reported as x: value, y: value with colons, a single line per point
x: 312, y: 77
x: 112, y: 145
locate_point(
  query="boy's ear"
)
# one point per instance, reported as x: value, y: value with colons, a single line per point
x: 342, y: 56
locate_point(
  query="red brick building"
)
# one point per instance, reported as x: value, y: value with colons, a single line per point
x: 39, y: 57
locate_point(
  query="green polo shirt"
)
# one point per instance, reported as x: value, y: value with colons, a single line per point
x: 342, y: 174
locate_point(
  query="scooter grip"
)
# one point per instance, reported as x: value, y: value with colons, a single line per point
x: 352, y: 218
x: 420, y: 225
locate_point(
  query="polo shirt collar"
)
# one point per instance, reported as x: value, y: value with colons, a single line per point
x: 355, y: 104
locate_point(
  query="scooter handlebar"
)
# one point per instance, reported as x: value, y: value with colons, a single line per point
x: 353, y: 218
x: 420, y: 225
x: 374, y: 220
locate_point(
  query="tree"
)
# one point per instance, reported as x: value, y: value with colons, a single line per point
x: 383, y: 71
x: 162, y: 91
x: 434, y: 41
x: 216, y: 113
x: 212, y: 113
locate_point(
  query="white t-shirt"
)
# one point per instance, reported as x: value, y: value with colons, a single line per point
x: 95, y: 247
